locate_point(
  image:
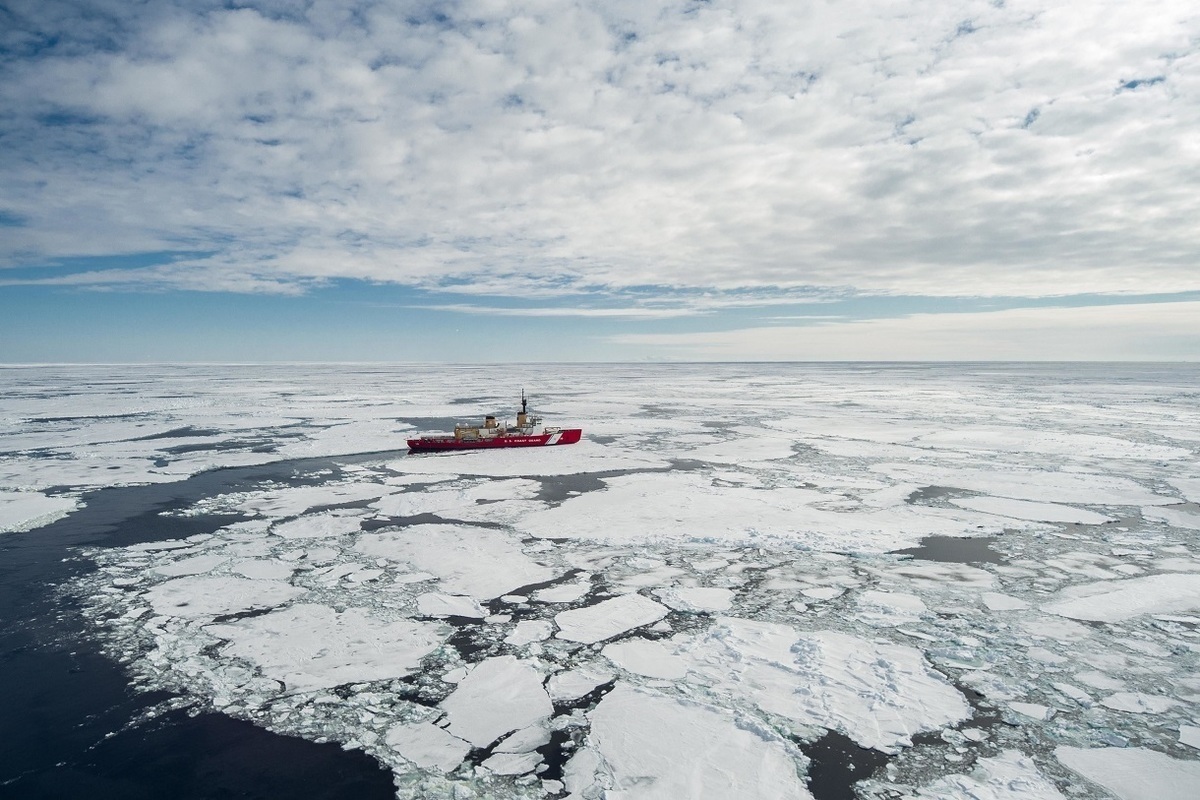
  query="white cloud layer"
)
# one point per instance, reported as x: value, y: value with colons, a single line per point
x: 1017, y: 147
x: 1135, y: 332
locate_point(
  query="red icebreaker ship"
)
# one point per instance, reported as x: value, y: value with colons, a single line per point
x: 494, y: 434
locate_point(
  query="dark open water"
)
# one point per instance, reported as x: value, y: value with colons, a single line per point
x: 65, y: 714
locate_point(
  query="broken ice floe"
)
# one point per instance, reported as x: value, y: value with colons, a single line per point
x: 23, y: 511
x: 630, y: 559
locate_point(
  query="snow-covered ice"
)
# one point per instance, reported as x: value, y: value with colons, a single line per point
x: 655, y: 747
x: 498, y: 696
x: 480, y: 563
x: 608, y: 618
x: 1134, y: 773
x: 721, y: 546
x: 311, y: 646
x: 1115, y: 601
x: 22, y: 511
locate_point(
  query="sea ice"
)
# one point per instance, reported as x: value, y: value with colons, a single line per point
x: 190, y: 566
x: 329, y: 524
x: 23, y: 511
x: 428, y: 746
x: 608, y: 618
x: 695, y: 598
x: 528, y: 631
x: 1119, y: 600
x: 573, y: 684
x: 564, y: 593
x: 479, y: 562
x: 311, y: 647
x: 1035, y: 512
x: 636, y: 508
x: 1032, y: 710
x: 877, y: 694
x: 890, y: 608
x: 1134, y: 773
x: 1007, y: 776
x: 1138, y: 703
x: 498, y: 696
x: 211, y: 596
x: 1189, y: 735
x: 645, y: 657
x: 653, y: 747
x: 433, y: 604
x: 995, y: 601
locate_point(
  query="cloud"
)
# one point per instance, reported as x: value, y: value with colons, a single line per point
x: 568, y: 311
x: 1134, y: 332
x: 973, y: 148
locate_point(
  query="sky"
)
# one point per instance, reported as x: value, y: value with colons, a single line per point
x: 186, y: 180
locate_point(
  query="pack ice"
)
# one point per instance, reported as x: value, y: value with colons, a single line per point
x: 702, y: 599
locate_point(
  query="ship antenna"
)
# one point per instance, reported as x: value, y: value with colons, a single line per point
x: 522, y: 400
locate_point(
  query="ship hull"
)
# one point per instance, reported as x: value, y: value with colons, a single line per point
x: 438, y: 444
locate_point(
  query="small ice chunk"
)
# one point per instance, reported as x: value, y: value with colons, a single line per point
x: 501, y: 694
x: 529, y: 630
x: 428, y: 746
x: 823, y: 592
x: 645, y: 657
x: 572, y: 684
x: 1032, y: 710
x: 607, y: 619
x: 1138, y: 703
x: 696, y: 598
x: 1134, y: 773
x: 433, y: 604
x: 995, y: 601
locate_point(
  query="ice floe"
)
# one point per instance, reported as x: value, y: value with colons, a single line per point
x: 212, y: 596
x: 312, y: 646
x: 1007, y: 776
x: 500, y: 695
x: 455, y: 653
x: 1115, y: 601
x: 877, y: 694
x: 22, y: 511
x: 1134, y: 773
x: 1037, y: 512
x: 654, y: 747
x: 608, y: 618
x: 481, y: 563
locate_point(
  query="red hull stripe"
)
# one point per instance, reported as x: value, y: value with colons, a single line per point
x: 428, y: 444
